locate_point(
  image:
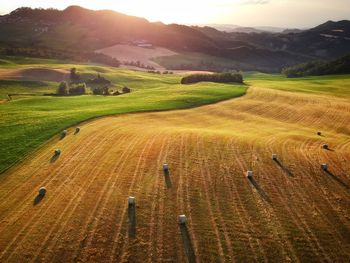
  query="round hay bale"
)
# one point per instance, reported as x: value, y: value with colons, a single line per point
x: 274, y: 156
x: 42, y: 191
x: 324, y: 166
x: 77, y: 129
x: 249, y: 174
x: 325, y: 146
x: 131, y: 200
x: 182, y: 219
x: 57, y: 152
x: 64, y: 133
x: 319, y: 133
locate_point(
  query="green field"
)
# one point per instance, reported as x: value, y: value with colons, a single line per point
x: 28, y: 121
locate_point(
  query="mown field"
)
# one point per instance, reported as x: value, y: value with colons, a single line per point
x: 292, y: 211
x: 28, y: 121
x: 196, y: 61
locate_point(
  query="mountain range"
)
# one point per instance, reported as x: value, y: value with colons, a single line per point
x: 76, y: 28
x: 255, y: 29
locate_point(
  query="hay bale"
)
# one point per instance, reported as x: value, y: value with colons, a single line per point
x: 131, y: 201
x: 57, y: 152
x: 249, y: 174
x: 42, y: 191
x: 324, y: 166
x: 64, y: 133
x: 182, y: 220
x: 319, y: 133
x: 325, y: 146
x: 165, y: 167
x: 77, y: 129
x: 274, y: 156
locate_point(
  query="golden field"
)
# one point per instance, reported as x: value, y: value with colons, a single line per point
x: 295, y: 212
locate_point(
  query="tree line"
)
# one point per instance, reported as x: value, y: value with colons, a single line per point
x: 227, y: 77
x: 318, y: 68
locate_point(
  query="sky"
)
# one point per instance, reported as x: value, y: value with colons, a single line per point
x: 278, y: 13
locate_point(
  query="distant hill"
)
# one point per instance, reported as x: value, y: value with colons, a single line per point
x: 318, y: 68
x: 327, y: 41
x: 244, y: 29
x: 76, y: 29
x: 341, y: 28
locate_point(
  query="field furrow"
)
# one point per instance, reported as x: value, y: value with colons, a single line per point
x: 291, y: 211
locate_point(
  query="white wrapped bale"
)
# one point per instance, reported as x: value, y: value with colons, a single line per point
x: 182, y: 220
x: 42, y: 191
x: 249, y: 174
x: 165, y: 167
x: 131, y: 200
x: 274, y: 157
x: 324, y: 166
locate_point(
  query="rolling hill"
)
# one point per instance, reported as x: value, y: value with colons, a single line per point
x: 171, y: 166
x: 76, y: 28
x: 291, y: 211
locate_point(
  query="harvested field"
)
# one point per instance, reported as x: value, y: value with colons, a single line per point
x: 40, y: 74
x: 293, y: 212
x: 135, y: 53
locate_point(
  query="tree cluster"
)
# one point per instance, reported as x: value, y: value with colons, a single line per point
x: 64, y: 89
x: 216, y: 77
x: 99, y: 80
x: 101, y: 91
x: 318, y: 68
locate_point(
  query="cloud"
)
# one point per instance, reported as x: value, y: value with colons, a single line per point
x: 255, y: 2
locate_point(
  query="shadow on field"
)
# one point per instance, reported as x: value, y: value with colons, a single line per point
x: 54, y: 158
x: 131, y: 221
x: 63, y: 135
x: 187, y: 244
x: 38, y: 199
x: 259, y: 189
x: 284, y: 168
x: 340, y: 181
x: 167, y: 179
x: 329, y: 149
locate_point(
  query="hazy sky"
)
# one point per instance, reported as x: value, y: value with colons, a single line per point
x: 282, y: 13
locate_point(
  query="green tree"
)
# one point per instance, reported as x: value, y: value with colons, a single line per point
x: 62, y: 88
x: 74, y: 76
x: 78, y: 89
